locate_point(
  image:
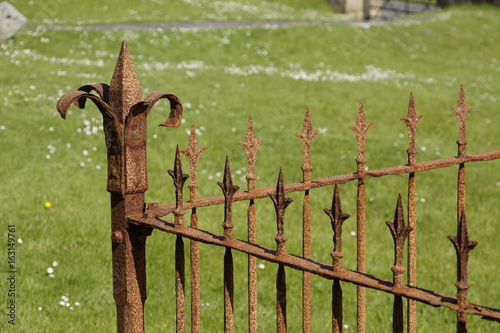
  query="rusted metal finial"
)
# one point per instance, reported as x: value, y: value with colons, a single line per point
x: 193, y: 153
x: 461, y: 112
x: 399, y: 233
x: 124, y: 122
x: 280, y: 204
x: 179, y: 179
x: 463, y: 245
x: 360, y: 130
x: 251, y: 145
x: 337, y: 218
x: 228, y: 189
x: 306, y: 137
x: 411, y: 122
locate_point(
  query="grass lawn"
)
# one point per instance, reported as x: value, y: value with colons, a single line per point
x: 222, y: 77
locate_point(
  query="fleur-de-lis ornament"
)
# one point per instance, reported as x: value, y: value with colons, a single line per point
x: 124, y: 114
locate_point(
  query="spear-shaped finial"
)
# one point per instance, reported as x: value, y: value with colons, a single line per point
x: 228, y: 189
x: 337, y: 218
x: 461, y: 112
x: 399, y: 233
x: 360, y: 130
x: 280, y: 204
x: 411, y: 122
x: 124, y: 89
x: 306, y: 137
x: 251, y: 145
x: 179, y: 179
x: 193, y: 153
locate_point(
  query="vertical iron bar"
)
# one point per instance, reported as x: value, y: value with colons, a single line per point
x: 411, y: 122
x: 306, y: 137
x: 228, y: 292
x: 461, y: 242
x: 251, y: 146
x: 228, y: 189
x: 280, y: 204
x: 360, y: 131
x: 281, y: 321
x: 399, y: 233
x: 337, y: 218
x: 193, y: 154
x: 179, y: 179
x: 125, y: 124
x: 180, y: 296
x: 194, y: 256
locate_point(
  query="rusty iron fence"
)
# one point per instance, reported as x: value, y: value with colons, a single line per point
x: 124, y: 117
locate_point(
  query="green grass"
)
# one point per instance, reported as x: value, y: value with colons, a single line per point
x: 116, y: 11
x: 223, y: 77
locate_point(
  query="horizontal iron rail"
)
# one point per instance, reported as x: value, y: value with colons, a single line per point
x: 321, y: 269
x: 155, y: 210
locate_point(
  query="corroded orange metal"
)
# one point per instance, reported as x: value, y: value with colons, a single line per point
x: 124, y: 122
x: 411, y: 122
x: 124, y: 114
x: 360, y: 131
x: 306, y: 137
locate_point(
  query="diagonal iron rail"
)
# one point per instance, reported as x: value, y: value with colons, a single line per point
x: 318, y: 268
x: 154, y: 210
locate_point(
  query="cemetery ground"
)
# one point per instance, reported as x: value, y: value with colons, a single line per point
x: 53, y: 172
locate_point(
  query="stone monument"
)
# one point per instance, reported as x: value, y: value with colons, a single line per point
x: 11, y: 20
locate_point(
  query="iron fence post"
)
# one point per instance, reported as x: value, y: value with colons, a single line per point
x: 125, y: 124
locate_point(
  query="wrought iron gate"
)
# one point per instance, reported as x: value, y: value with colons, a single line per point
x: 124, y: 117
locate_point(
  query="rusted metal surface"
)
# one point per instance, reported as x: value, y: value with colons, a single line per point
x: 251, y: 145
x: 325, y: 270
x: 411, y: 122
x: 163, y: 210
x: 280, y: 204
x: 228, y: 189
x: 360, y: 131
x: 124, y: 121
x: 399, y: 233
x: 337, y: 218
x: 461, y: 242
x: 179, y: 179
x: 193, y: 155
x: 306, y: 137
x: 124, y: 114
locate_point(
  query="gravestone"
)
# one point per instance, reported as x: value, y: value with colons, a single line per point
x: 11, y: 20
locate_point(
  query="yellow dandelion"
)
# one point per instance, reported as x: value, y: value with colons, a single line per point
x: 48, y: 204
